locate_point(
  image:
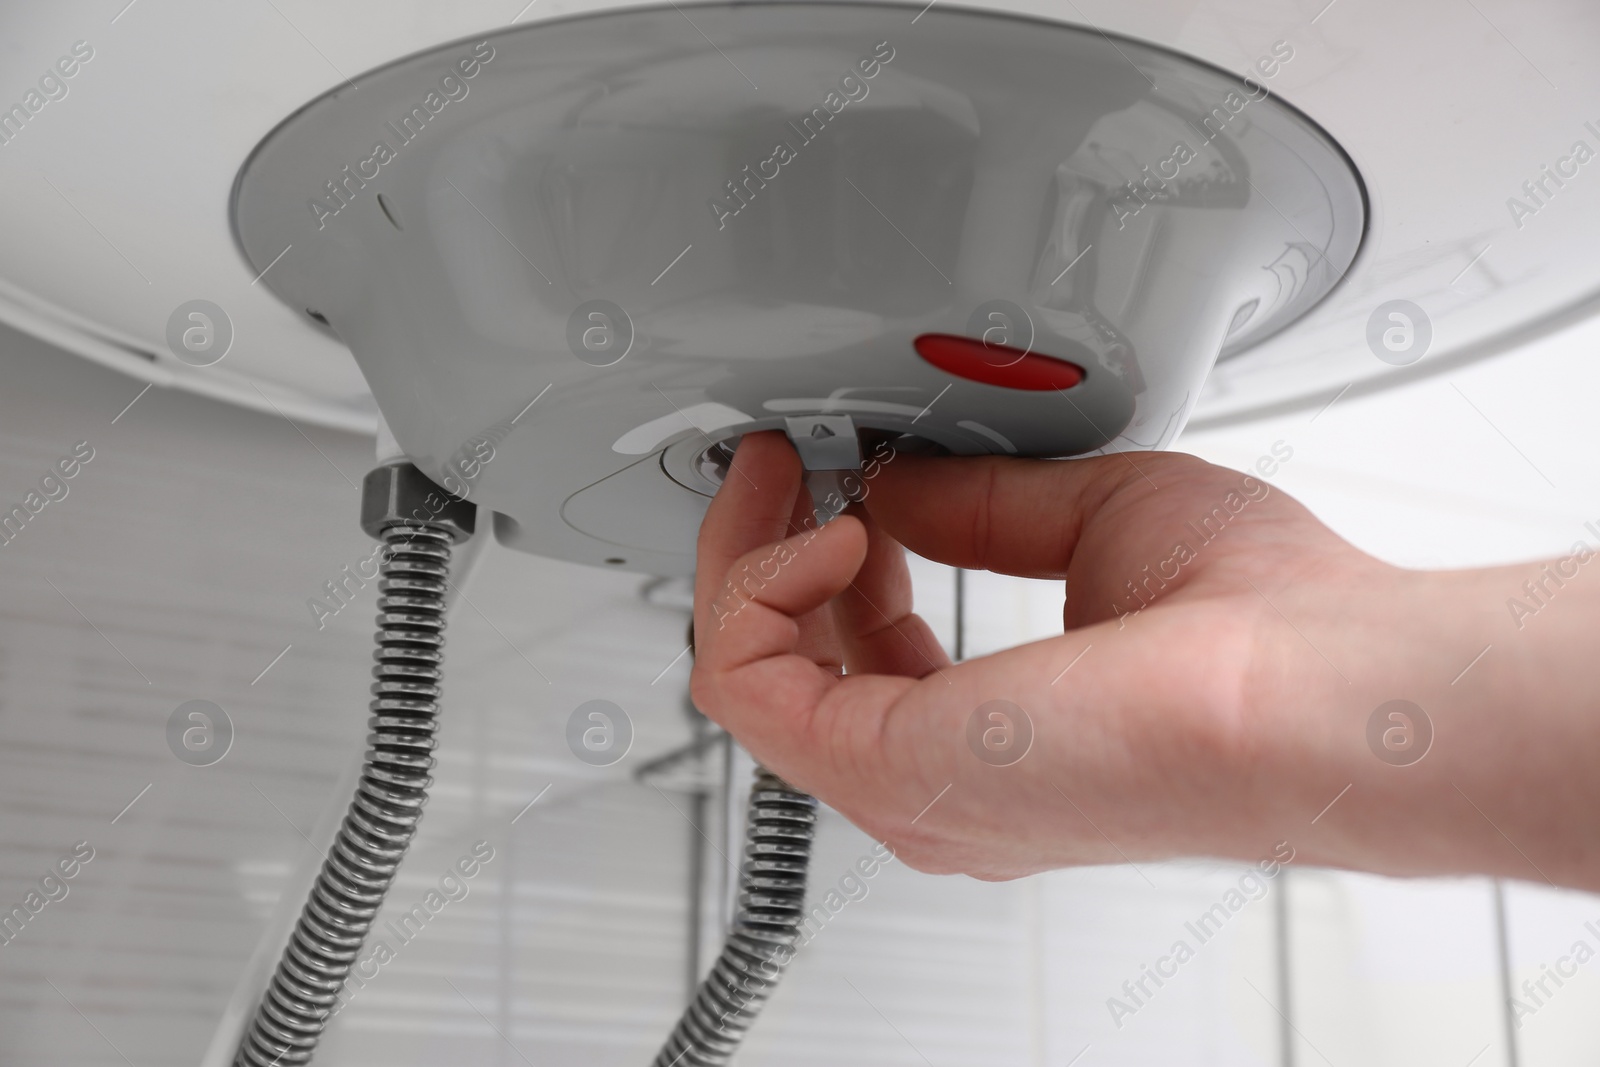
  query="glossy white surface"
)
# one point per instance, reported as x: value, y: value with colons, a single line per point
x: 195, y: 537
x: 597, y: 250
x: 1447, y: 109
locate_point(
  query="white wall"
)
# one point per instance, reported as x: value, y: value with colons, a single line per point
x: 190, y: 544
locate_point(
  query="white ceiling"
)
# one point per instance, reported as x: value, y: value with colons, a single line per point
x: 1488, y: 464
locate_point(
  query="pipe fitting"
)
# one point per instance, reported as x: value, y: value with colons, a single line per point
x: 398, y: 494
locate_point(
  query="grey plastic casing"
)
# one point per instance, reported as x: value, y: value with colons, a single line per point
x: 572, y: 256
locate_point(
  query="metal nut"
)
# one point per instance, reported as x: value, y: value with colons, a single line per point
x: 398, y: 494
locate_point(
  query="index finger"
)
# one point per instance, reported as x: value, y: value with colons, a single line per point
x: 753, y: 507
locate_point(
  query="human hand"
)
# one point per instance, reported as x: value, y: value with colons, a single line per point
x: 1222, y: 653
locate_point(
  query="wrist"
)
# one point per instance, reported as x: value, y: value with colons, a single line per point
x: 1437, y: 728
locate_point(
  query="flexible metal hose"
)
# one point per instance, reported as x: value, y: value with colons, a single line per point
x: 383, y: 818
x: 386, y: 809
x: 779, y: 828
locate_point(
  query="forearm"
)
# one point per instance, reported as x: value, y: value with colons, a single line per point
x: 1503, y: 664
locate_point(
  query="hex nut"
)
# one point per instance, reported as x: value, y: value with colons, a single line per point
x: 398, y: 494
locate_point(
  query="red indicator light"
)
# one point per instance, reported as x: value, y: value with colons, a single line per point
x: 1001, y: 365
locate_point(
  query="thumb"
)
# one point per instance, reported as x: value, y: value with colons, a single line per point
x: 1014, y: 516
